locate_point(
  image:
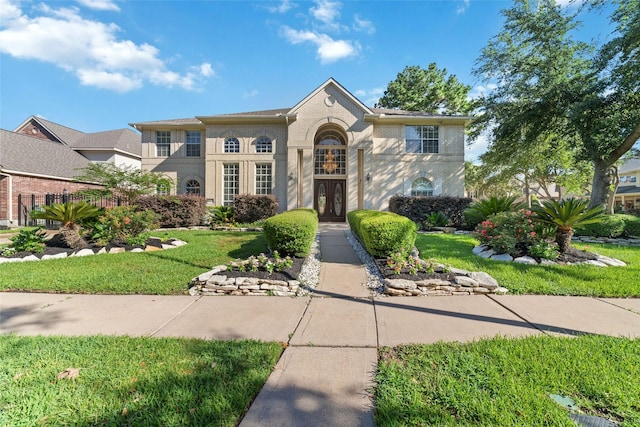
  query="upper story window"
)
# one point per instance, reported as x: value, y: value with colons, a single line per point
x: 422, y: 139
x: 192, y: 187
x: 163, y: 143
x: 264, y: 145
x: 422, y: 187
x: 231, y: 145
x: 193, y: 143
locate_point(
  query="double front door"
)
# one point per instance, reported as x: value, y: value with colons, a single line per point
x: 329, y: 199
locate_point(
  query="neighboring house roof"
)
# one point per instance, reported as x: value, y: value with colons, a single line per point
x: 630, y: 165
x: 26, y: 155
x: 124, y: 140
x: 627, y: 189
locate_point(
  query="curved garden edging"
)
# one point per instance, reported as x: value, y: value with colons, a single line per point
x: 484, y: 251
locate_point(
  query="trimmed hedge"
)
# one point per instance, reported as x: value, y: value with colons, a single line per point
x: 418, y: 208
x: 631, y: 225
x: 293, y: 232
x: 609, y: 226
x: 248, y: 208
x: 175, y: 211
x: 383, y: 233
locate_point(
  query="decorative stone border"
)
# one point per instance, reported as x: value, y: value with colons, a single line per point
x: 464, y: 283
x: 159, y: 246
x: 484, y: 251
x: 216, y: 283
x: 608, y: 240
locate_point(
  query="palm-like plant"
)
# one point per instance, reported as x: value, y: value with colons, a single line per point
x: 482, y: 209
x: 565, y: 215
x: 70, y: 215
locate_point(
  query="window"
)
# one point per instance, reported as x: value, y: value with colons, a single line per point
x: 163, y: 143
x: 422, y: 187
x: 231, y: 182
x: 193, y: 143
x: 330, y: 155
x: 231, y: 145
x: 422, y: 139
x: 162, y: 190
x: 192, y: 187
x: 264, y: 145
x: 263, y: 178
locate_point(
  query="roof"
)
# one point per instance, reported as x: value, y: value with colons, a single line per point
x: 124, y: 140
x: 630, y: 165
x: 27, y: 155
x: 628, y: 189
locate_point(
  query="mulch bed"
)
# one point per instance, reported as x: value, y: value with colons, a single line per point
x: 291, y: 273
x: 389, y: 273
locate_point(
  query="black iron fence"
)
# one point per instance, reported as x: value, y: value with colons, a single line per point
x: 29, y: 202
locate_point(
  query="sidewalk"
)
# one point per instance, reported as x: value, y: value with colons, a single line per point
x: 326, y: 372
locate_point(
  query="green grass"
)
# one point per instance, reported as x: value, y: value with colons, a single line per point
x: 507, y: 382
x: 585, y: 280
x: 163, y: 272
x: 130, y: 381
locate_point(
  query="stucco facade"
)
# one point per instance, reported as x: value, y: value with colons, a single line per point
x: 329, y: 152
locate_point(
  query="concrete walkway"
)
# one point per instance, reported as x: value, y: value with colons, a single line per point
x: 325, y: 374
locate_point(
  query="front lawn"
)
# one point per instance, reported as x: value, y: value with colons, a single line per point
x: 508, y: 382
x: 164, y: 272
x: 130, y: 381
x: 587, y: 280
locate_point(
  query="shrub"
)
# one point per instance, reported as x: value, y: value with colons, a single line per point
x: 29, y: 240
x: 175, y: 211
x: 483, y: 209
x: 222, y: 216
x: 251, y: 208
x: 436, y: 219
x: 122, y: 224
x: 631, y: 225
x: 418, y: 208
x: 510, y: 232
x: 383, y: 233
x: 609, y: 226
x: 292, y: 232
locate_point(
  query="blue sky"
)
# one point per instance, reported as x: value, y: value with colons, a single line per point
x: 96, y: 65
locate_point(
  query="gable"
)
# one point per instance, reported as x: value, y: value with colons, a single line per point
x: 330, y: 93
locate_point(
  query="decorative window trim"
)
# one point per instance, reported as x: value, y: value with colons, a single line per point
x: 231, y: 145
x: 422, y: 139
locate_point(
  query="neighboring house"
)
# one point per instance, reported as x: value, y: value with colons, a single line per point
x: 42, y: 157
x: 120, y: 147
x: 33, y: 166
x: 329, y: 152
x: 628, y: 192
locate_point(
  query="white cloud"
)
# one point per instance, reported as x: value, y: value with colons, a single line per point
x: 328, y: 49
x: 283, y: 7
x: 363, y: 25
x: 90, y: 49
x: 480, y: 90
x: 463, y: 6
x: 369, y: 96
x: 251, y: 94
x: 327, y: 12
x: 477, y: 148
x: 100, y: 4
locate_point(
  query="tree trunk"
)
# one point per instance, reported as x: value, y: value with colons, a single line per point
x: 601, y: 184
x: 611, y: 197
x: 563, y: 239
x: 69, y: 237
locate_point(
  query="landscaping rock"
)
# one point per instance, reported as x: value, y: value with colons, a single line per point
x: 502, y: 257
x: 525, y: 260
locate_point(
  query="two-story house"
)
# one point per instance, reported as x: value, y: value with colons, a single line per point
x: 329, y: 152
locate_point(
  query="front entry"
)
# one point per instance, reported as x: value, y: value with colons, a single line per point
x: 328, y: 199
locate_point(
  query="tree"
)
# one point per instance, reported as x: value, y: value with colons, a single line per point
x: 128, y: 183
x: 607, y: 112
x: 550, y: 86
x: 430, y: 90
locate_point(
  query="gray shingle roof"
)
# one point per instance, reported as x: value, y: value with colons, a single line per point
x: 186, y: 121
x: 627, y: 189
x: 630, y: 165
x: 29, y: 155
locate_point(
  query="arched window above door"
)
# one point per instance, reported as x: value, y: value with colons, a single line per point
x: 422, y: 187
x: 330, y: 154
